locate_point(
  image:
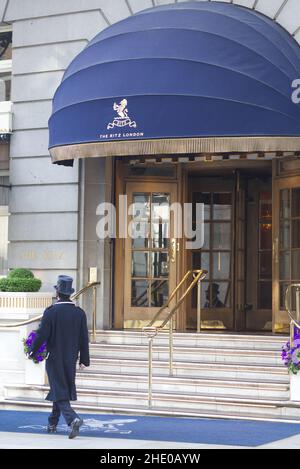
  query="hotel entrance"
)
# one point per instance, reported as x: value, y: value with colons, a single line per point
x: 237, y: 293
x: 251, y: 249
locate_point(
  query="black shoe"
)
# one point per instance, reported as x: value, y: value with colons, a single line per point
x: 75, y: 425
x: 51, y: 429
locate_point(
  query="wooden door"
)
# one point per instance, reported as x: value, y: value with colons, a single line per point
x: 286, y: 236
x: 216, y: 255
x: 150, y: 251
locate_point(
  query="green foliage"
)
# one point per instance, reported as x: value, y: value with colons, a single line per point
x: 20, y: 273
x: 294, y: 363
x: 20, y: 280
x: 292, y: 368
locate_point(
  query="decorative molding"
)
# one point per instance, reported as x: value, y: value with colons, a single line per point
x: 5, y: 66
x: 170, y: 146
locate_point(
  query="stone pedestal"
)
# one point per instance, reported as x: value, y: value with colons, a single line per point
x: 15, y: 368
x: 295, y: 387
x: 35, y: 373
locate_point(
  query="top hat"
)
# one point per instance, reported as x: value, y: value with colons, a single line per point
x: 213, y: 287
x: 64, y: 285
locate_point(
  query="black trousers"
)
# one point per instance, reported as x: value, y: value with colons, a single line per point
x: 64, y: 408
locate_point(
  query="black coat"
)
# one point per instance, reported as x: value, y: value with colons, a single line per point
x: 64, y: 329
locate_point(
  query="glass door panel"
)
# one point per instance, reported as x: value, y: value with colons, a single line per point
x: 265, y: 251
x: 258, y: 254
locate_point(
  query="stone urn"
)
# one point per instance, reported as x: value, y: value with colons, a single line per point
x: 295, y: 387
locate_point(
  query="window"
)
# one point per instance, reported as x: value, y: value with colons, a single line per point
x: 150, y: 249
x: 5, y: 63
x: 5, y: 86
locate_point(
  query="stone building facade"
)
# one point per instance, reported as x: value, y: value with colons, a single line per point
x: 53, y: 209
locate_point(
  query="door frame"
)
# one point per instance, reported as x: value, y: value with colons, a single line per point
x: 282, y: 179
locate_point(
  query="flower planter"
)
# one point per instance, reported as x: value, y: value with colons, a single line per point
x: 35, y: 373
x: 295, y: 387
x: 18, y: 305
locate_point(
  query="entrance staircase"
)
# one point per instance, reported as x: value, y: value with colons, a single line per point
x: 215, y: 375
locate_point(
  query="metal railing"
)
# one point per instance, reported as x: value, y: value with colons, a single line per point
x: 151, y: 330
x: 89, y: 285
x: 288, y: 305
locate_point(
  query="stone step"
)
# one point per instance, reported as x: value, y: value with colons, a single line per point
x: 192, y: 386
x: 204, y: 370
x: 180, y: 403
x: 215, y: 375
x: 246, y: 341
x: 192, y: 354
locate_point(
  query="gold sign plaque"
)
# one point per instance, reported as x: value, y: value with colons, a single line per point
x: 93, y: 274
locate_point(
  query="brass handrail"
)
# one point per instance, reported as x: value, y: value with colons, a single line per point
x: 84, y: 289
x: 156, y: 316
x: 200, y: 275
x: 287, y: 301
x: 151, y: 331
x: 73, y: 297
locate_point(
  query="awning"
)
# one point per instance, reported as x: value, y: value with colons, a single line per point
x: 182, y: 78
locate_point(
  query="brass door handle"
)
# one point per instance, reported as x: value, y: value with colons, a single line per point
x: 173, y: 248
x: 275, y: 250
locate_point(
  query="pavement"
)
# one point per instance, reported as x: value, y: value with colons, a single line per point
x: 21, y: 429
x: 30, y: 441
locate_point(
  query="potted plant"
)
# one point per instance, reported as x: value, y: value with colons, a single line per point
x: 291, y: 358
x: 21, y: 300
x: 20, y: 280
x: 20, y: 296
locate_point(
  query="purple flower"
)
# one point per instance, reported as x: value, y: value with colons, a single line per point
x: 41, y: 354
x: 291, y: 356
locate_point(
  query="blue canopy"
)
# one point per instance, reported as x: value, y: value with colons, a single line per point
x: 190, y: 70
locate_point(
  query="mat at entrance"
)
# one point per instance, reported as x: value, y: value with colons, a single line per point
x: 202, y: 431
